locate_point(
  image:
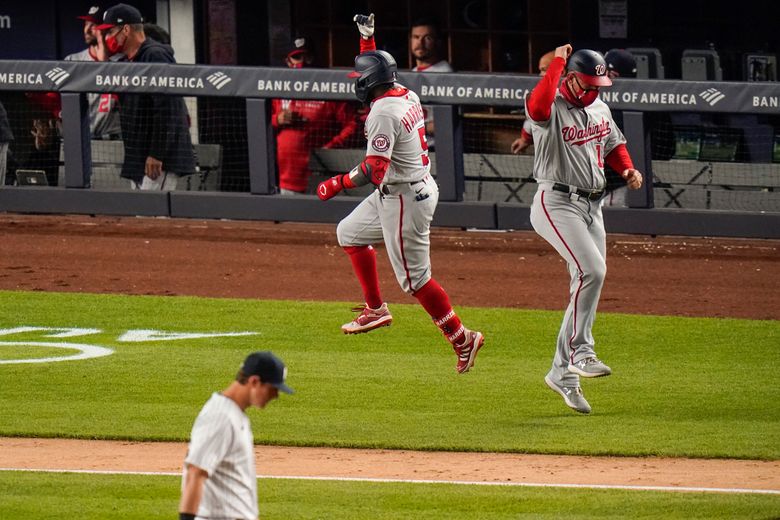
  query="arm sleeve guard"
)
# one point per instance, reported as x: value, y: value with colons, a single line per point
x: 371, y: 170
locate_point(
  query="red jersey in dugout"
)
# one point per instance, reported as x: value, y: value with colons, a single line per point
x: 319, y: 124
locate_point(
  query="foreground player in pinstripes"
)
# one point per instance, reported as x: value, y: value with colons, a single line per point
x: 400, y: 210
x: 219, y: 478
x: 574, y: 134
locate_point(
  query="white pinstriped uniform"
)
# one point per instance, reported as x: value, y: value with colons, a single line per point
x: 401, y: 210
x: 221, y: 443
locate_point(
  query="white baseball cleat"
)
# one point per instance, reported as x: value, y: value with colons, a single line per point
x: 590, y: 367
x: 368, y: 319
x: 572, y: 395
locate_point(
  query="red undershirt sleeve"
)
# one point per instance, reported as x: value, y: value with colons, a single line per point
x: 619, y: 160
x: 542, y: 96
x: 367, y: 45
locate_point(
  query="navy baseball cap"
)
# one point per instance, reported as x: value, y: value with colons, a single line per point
x: 270, y: 369
x: 94, y: 15
x: 299, y: 45
x: 120, y: 14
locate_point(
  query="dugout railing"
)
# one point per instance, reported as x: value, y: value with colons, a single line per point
x: 447, y: 94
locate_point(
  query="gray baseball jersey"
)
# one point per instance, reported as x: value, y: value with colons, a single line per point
x: 570, y: 146
x: 103, y: 108
x: 221, y: 443
x: 395, y: 130
x: 401, y: 210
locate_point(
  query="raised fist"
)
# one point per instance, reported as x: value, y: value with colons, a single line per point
x: 365, y: 25
x: 330, y: 188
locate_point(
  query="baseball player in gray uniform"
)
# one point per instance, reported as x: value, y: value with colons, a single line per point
x: 401, y: 208
x: 219, y: 479
x: 103, y: 108
x: 574, y: 135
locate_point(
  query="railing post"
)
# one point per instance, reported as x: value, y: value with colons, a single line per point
x: 449, y: 153
x: 638, y: 144
x: 76, y: 140
x: 262, y: 148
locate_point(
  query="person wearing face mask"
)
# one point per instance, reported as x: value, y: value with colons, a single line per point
x: 302, y: 125
x: 155, y: 128
x: 103, y: 108
x: 575, y: 135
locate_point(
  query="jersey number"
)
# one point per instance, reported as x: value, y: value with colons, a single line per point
x: 106, y: 100
x: 599, y: 158
x: 424, y: 144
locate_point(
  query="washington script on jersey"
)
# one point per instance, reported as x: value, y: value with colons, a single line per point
x: 583, y: 135
x: 121, y: 80
x: 18, y: 78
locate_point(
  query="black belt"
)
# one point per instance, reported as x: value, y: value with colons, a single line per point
x: 588, y: 194
x: 386, y: 191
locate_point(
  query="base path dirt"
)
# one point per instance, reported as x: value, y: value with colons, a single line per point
x: 663, y: 276
x: 68, y: 454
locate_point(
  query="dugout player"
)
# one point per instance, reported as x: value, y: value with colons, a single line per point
x: 219, y: 479
x: 103, y: 108
x: 575, y: 135
x: 401, y: 207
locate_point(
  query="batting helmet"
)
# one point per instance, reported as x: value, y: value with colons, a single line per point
x: 590, y: 68
x: 621, y: 62
x: 372, y: 68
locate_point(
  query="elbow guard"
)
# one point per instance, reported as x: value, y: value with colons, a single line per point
x: 374, y: 168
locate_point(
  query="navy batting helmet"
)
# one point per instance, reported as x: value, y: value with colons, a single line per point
x: 590, y: 68
x: 372, y: 68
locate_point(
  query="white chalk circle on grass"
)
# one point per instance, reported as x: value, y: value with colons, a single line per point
x: 85, y: 352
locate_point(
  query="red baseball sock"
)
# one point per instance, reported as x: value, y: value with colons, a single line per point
x: 364, y: 263
x: 434, y: 300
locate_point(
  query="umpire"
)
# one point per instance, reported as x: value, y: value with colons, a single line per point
x: 219, y: 477
x: 155, y: 128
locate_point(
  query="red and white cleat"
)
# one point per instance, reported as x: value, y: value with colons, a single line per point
x: 368, y: 319
x: 467, y: 351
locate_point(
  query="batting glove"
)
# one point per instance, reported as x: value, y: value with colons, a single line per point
x: 365, y: 25
x: 330, y: 188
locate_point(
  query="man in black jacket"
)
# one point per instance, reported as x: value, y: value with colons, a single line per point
x: 155, y: 128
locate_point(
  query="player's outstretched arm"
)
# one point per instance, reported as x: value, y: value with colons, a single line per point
x: 371, y: 171
x: 365, y: 25
x: 542, y: 96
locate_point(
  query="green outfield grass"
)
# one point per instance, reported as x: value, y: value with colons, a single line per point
x: 34, y: 496
x: 681, y: 386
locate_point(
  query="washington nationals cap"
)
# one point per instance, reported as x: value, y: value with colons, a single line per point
x: 120, y: 14
x: 94, y: 15
x: 299, y: 45
x: 270, y: 369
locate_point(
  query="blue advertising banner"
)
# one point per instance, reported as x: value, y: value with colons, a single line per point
x: 28, y: 30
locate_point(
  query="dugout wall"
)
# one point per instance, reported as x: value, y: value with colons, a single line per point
x: 465, y: 174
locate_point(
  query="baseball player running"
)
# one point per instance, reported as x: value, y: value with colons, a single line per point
x: 400, y: 210
x: 219, y: 479
x: 574, y: 135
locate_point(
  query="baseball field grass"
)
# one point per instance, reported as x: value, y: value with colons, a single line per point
x: 35, y: 496
x: 688, y: 387
x: 681, y: 386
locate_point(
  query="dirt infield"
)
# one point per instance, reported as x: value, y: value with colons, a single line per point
x: 663, y: 276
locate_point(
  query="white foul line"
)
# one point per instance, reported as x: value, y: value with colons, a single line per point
x: 417, y: 481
